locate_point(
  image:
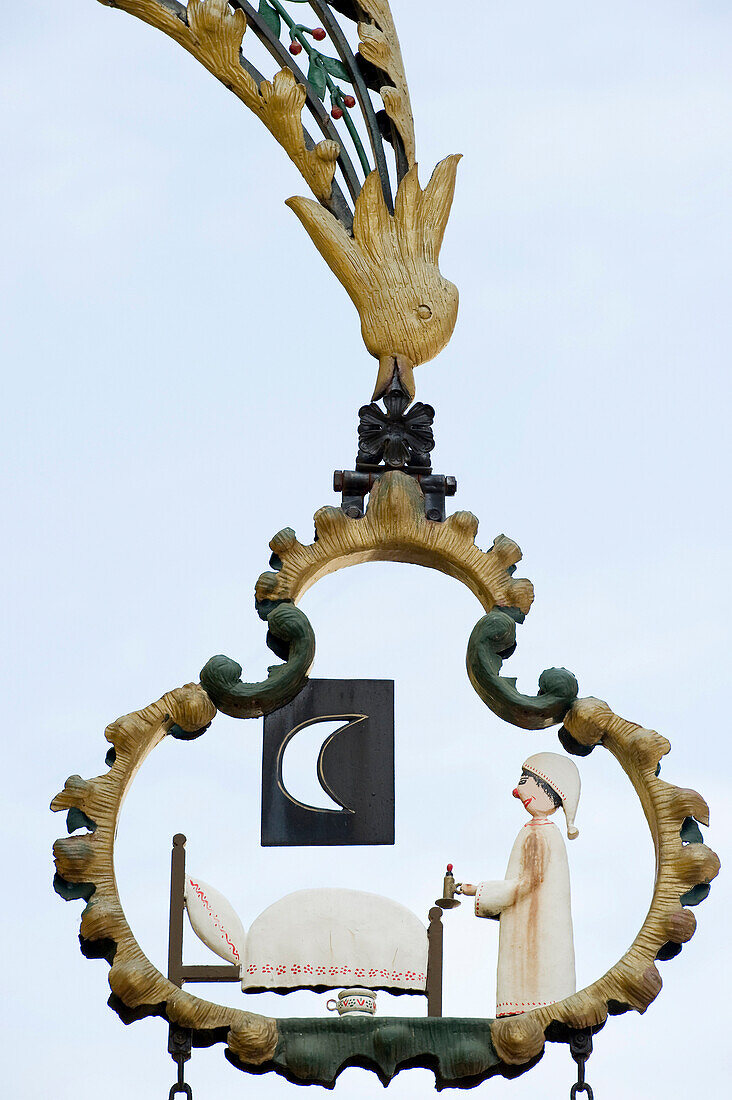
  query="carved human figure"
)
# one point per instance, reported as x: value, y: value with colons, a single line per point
x: 532, y: 903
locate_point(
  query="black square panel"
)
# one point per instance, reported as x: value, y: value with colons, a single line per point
x: 355, y: 766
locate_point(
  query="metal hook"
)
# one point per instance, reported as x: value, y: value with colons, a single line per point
x: 180, y: 1088
x: 580, y: 1047
x: 179, y: 1047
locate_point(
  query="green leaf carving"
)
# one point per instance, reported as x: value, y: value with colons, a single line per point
x: 336, y: 68
x: 316, y: 77
x: 77, y: 819
x: 690, y: 832
x: 458, y: 1052
x: 696, y: 895
x: 270, y: 17
x: 493, y: 639
x: 221, y: 676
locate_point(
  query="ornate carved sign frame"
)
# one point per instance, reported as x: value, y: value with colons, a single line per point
x: 394, y: 528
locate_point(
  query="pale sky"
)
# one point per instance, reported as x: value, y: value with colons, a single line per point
x: 183, y: 375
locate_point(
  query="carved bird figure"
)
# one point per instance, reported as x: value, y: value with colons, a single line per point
x: 381, y: 241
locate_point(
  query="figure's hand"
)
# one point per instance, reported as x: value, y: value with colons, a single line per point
x: 466, y: 888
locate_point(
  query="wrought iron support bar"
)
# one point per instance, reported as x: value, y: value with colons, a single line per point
x: 346, y: 55
x: 210, y: 974
x: 316, y: 108
x: 355, y: 485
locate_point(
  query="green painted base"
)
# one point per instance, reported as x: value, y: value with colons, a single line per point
x: 315, y: 1051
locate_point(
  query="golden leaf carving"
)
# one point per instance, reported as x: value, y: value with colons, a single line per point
x: 379, y: 44
x: 214, y: 23
x: 389, y: 267
x: 282, y: 102
x: 213, y: 34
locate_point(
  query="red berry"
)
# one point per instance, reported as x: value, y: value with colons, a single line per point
x: 318, y: 34
x: 337, y: 112
x: 349, y: 101
x: 295, y: 47
x: 449, y: 868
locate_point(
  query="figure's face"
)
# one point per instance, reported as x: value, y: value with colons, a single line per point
x: 535, y: 799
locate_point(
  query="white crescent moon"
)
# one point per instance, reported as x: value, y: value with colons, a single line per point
x: 300, y: 775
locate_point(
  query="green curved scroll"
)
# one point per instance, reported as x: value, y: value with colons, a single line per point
x: 492, y: 640
x: 291, y: 636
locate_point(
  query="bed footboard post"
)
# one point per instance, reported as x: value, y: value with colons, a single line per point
x: 434, y: 962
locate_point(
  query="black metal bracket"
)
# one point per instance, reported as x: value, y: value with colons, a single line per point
x: 580, y: 1047
x: 355, y: 485
x: 396, y: 435
x: 179, y: 1048
x: 394, y: 438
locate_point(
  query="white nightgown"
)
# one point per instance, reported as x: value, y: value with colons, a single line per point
x: 535, y: 944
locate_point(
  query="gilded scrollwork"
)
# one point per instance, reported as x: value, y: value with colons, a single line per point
x: 386, y: 259
x: 86, y: 862
x: 212, y: 32
x: 379, y: 44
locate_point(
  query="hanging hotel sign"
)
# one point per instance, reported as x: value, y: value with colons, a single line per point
x: 380, y: 232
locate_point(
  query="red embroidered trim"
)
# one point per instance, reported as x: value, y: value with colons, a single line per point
x: 477, y: 900
x: 524, y: 1004
x: 409, y: 976
x: 216, y: 920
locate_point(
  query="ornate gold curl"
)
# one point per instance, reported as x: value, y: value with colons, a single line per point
x: 379, y: 44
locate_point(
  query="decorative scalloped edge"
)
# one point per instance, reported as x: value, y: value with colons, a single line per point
x: 85, y: 865
x: 379, y: 44
x: 395, y: 529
